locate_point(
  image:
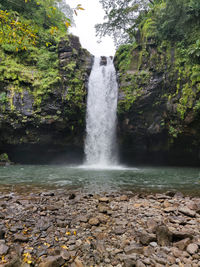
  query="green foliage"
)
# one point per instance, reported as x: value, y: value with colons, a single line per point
x: 197, y: 107
x: 148, y: 29
x: 160, y: 19
x: 173, y: 131
x: 3, y: 98
x: 23, y: 23
x: 194, y: 50
x: 121, y: 19
x: 29, y: 34
x: 123, y: 56
x: 186, y: 100
x: 16, y: 33
x: 4, y: 158
x: 76, y: 92
x: 131, y: 87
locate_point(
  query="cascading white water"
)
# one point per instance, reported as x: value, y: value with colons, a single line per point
x: 100, y: 144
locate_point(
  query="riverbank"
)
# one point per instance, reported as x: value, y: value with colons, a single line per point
x: 65, y: 228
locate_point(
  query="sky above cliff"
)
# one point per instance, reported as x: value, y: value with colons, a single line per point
x: 85, y: 22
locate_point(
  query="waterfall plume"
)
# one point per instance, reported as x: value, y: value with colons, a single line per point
x: 100, y: 143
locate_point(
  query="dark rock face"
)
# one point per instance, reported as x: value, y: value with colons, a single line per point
x: 52, y: 128
x: 103, y: 61
x: 154, y: 126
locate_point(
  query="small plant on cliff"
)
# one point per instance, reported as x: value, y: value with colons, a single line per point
x: 4, y: 157
x: 3, y: 98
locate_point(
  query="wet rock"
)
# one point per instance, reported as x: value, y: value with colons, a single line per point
x: 2, y: 233
x: 135, y: 248
x: 48, y: 194
x: 140, y: 264
x: 119, y: 230
x: 176, y: 252
x: 83, y: 219
x: 2, y: 216
x: 103, y: 61
x: 146, y: 238
x: 170, y: 209
x: 151, y: 225
x: 187, y: 212
x: 170, y: 193
x: 24, y: 264
x: 123, y: 198
x: 94, y: 221
x: 21, y: 238
x: 104, y: 199
x: 163, y: 235
x: 72, y: 196
x: 166, y: 204
x: 192, y: 248
x: 179, y: 235
x: 182, y: 244
x: 65, y: 255
x: 51, y: 261
x: 3, y: 248
x: 153, y: 244
x: 43, y: 224
x: 129, y: 260
x: 15, y: 262
x: 103, y: 209
x: 78, y: 263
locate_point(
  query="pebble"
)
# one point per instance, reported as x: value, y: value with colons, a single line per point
x: 21, y: 238
x: 192, y: 248
x: 78, y: 230
x: 94, y: 221
x: 187, y: 211
x: 3, y: 248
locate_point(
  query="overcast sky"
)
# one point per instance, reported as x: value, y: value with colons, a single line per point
x: 85, y: 22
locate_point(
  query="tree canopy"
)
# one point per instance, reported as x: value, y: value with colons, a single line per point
x: 168, y: 18
x: 27, y: 22
x: 121, y: 18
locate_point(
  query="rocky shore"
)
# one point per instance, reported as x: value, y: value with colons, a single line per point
x: 61, y: 228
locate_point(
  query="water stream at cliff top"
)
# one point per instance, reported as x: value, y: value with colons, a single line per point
x: 100, y: 144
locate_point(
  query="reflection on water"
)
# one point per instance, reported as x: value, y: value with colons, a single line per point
x: 96, y: 180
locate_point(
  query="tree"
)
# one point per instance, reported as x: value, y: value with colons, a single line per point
x: 26, y: 22
x: 121, y: 19
x: 17, y: 32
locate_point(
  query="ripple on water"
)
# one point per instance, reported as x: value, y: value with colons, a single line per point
x: 98, y: 178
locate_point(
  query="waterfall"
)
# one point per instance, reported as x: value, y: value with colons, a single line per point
x: 100, y: 143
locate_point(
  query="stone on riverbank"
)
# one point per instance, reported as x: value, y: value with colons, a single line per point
x: 51, y: 229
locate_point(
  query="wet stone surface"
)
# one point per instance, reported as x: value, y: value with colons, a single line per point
x: 51, y: 229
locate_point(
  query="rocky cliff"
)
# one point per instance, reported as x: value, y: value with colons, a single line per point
x: 158, y: 111
x: 43, y: 102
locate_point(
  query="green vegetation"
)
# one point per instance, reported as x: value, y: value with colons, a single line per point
x: 162, y: 39
x: 30, y: 32
x: 4, y: 158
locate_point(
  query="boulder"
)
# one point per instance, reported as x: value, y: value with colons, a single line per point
x: 192, y: 248
x: 163, y: 235
x: 52, y: 261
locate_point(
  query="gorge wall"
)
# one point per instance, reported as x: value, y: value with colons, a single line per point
x: 43, y: 102
x: 158, y: 107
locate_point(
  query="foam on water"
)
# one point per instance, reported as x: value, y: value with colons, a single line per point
x: 106, y: 167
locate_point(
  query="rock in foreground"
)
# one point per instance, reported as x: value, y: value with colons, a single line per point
x: 51, y: 229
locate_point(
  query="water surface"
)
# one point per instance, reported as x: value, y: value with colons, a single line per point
x: 95, y: 180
